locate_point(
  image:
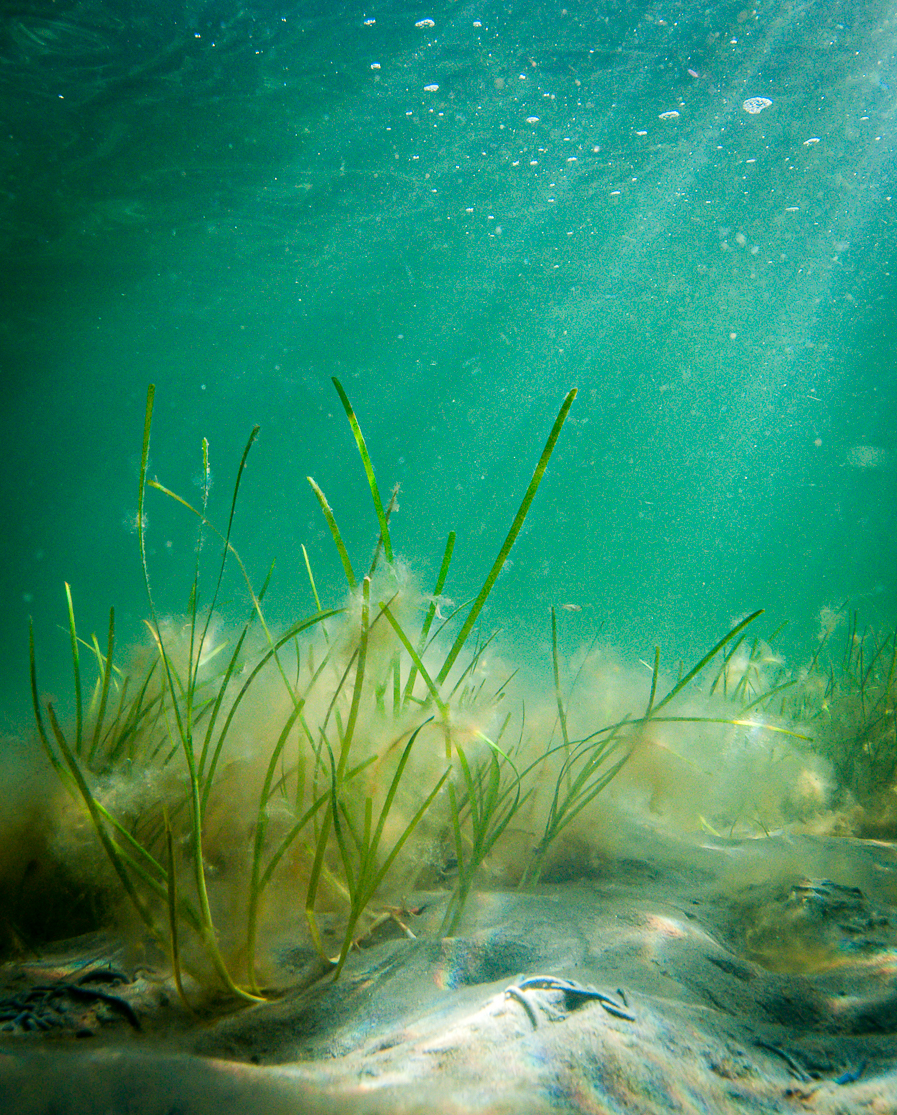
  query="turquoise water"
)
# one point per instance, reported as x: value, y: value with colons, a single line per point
x: 461, y: 211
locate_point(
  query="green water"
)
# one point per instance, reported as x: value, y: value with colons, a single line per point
x: 461, y: 221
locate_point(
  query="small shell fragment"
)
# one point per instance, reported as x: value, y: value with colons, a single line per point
x: 425, y: 23
x: 671, y: 115
x: 753, y: 105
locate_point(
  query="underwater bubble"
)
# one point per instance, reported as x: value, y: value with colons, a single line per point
x: 753, y: 105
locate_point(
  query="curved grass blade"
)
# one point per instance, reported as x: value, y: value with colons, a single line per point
x: 489, y: 817
x: 696, y: 669
x: 335, y: 532
x: 509, y: 541
x: 35, y: 700
x: 76, y: 667
x: 390, y: 507
x: 368, y: 468
x: 432, y: 611
x: 109, y: 845
x: 346, y: 735
x: 559, y: 698
x: 173, y: 927
x: 104, y: 692
x: 366, y: 879
x: 416, y: 659
x: 655, y: 673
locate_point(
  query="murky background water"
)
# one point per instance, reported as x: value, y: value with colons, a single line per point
x: 461, y: 210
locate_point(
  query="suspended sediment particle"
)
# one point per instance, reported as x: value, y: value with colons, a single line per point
x: 867, y: 456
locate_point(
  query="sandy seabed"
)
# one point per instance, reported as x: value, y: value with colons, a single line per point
x: 724, y: 976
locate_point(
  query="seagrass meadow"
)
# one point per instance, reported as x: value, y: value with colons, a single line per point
x: 228, y: 782
x: 258, y: 862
